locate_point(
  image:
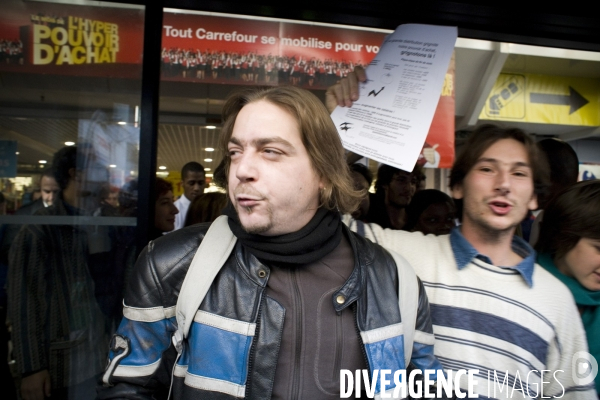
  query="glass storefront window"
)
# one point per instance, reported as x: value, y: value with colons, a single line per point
x: 69, y: 143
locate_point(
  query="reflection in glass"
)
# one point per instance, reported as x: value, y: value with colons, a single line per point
x: 69, y: 142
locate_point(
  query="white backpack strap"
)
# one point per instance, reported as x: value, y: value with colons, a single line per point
x: 208, y: 260
x: 408, y: 298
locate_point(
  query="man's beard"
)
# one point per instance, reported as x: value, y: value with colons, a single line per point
x: 256, y: 229
x: 253, y: 229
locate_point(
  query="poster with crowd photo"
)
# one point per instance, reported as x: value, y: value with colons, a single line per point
x: 216, y: 49
x: 50, y: 38
x: 219, y: 49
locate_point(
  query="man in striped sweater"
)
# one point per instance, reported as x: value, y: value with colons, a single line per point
x: 493, y: 309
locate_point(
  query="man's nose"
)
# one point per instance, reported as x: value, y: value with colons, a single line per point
x: 246, y: 168
x: 503, y: 182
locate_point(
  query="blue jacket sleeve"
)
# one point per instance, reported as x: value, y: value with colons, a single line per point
x: 141, y: 355
x: 422, y: 355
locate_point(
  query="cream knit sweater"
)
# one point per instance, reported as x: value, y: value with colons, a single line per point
x: 488, y: 318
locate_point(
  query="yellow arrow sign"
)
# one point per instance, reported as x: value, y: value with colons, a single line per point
x: 544, y: 99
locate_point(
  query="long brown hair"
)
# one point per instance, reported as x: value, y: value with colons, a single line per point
x: 318, y: 134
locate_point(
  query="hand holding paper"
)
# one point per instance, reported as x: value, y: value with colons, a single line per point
x: 389, y: 120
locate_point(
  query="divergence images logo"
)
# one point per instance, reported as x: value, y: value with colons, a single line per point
x: 584, y: 368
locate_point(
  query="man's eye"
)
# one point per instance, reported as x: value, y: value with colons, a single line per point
x: 271, y: 151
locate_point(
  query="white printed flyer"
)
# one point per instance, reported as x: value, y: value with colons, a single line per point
x: 390, y: 121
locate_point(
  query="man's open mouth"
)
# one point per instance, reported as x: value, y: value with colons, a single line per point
x: 500, y: 207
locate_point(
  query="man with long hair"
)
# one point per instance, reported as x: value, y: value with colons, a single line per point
x: 299, y: 298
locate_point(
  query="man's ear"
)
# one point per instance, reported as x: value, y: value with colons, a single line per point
x: 457, y: 191
x: 533, y: 203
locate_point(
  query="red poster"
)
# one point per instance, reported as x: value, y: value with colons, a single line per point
x: 440, y: 138
x: 63, y: 39
x: 248, y: 51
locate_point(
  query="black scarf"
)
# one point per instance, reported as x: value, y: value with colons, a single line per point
x: 318, y: 238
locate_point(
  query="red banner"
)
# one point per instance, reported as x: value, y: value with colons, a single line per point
x: 248, y: 51
x: 440, y: 138
x: 71, y: 40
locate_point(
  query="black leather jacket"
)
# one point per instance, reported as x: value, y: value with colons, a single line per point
x: 234, y: 342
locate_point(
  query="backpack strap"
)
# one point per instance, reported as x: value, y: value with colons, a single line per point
x: 206, y: 264
x: 408, y: 298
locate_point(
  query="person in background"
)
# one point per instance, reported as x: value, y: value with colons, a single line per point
x: 206, y: 208
x: 49, y: 187
x: 362, y: 178
x: 109, y: 201
x: 492, y: 307
x: 164, y: 209
x: 569, y: 247
x: 394, y: 189
x: 124, y: 253
x: 48, y: 193
x: 194, y: 183
x: 430, y: 211
x: 109, y: 195
x: 54, y: 299
x: 564, y: 171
